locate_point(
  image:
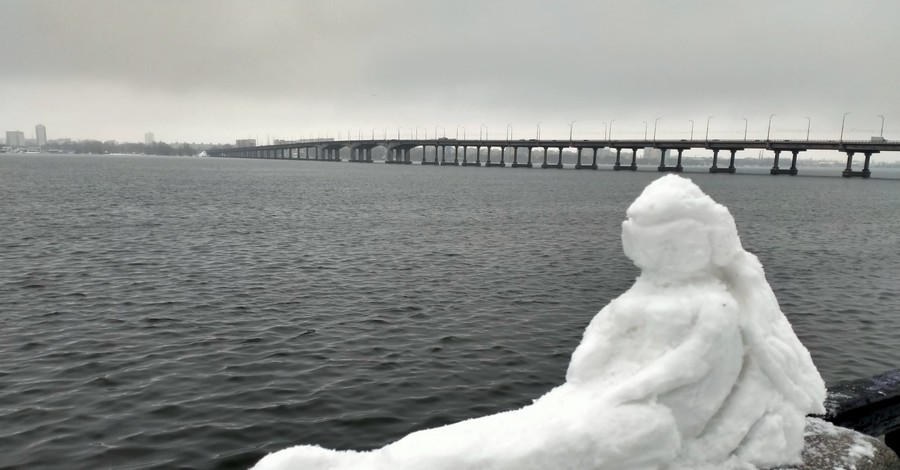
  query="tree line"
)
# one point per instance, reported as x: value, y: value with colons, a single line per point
x: 111, y: 146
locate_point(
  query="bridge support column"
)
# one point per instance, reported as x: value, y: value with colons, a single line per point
x: 678, y: 163
x: 406, y: 158
x: 544, y: 165
x: 633, y: 166
x: 779, y: 171
x: 559, y: 159
x: 530, y: 151
x: 715, y: 165
x: 865, y: 173
x: 502, y: 157
x: 434, y: 161
x: 662, y: 161
x: 594, y: 159
x: 515, y: 162
x: 618, y: 165
x: 793, y: 170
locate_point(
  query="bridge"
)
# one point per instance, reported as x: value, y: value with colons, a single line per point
x: 520, y: 153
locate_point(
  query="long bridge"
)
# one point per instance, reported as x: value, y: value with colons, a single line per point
x: 520, y: 153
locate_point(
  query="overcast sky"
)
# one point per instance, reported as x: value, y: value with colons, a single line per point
x: 219, y: 70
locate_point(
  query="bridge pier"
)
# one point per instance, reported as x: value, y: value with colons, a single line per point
x: 593, y: 161
x: 662, y: 162
x: 455, y: 156
x: 502, y: 157
x: 516, y: 163
x: 425, y: 151
x: 633, y: 166
x: 849, y: 173
x: 544, y: 164
x: 579, y: 166
x: 559, y: 164
x: 783, y: 171
x: 465, y: 155
x: 715, y: 166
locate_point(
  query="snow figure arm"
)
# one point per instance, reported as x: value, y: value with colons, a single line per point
x: 714, y: 327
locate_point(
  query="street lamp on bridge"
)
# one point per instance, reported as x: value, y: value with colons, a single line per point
x: 808, y: 125
x: 843, y: 120
x: 604, y: 129
x: 571, y: 126
x: 746, y: 122
x: 457, y: 131
x: 882, y: 126
x: 692, y: 129
x: 654, y: 129
x: 508, y: 132
x: 645, y: 130
x: 769, y: 129
x: 483, y: 126
x: 707, y: 127
x: 610, y: 129
x: 444, y: 133
x: 424, y: 129
x: 538, y: 135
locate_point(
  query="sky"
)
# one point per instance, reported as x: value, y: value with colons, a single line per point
x: 220, y: 70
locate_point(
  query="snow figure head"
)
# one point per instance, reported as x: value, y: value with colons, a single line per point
x: 676, y: 231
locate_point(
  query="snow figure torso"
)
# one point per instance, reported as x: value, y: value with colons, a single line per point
x: 694, y: 367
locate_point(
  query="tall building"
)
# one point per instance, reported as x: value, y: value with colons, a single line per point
x: 149, y: 138
x: 245, y: 143
x: 40, y: 133
x: 15, y: 139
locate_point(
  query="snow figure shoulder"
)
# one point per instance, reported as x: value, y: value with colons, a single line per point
x: 695, y: 366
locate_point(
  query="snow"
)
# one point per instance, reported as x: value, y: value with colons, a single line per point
x: 695, y: 366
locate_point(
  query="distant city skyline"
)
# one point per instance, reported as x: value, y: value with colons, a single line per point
x: 289, y: 70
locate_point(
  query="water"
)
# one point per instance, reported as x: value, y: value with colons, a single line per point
x: 173, y: 312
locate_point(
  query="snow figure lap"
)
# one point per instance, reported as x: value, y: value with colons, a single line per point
x: 695, y: 366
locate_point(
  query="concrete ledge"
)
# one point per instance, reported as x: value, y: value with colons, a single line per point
x: 829, y: 447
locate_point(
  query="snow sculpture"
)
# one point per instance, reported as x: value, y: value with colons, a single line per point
x: 695, y: 366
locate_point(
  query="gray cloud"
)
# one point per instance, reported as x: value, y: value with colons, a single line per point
x: 213, y: 70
